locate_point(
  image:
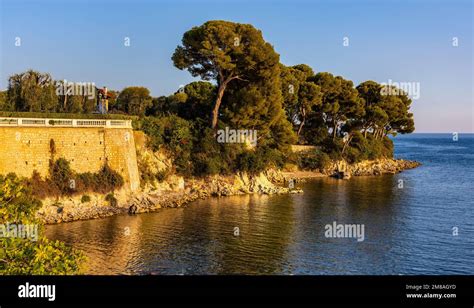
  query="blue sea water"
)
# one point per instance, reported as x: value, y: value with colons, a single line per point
x: 420, y: 221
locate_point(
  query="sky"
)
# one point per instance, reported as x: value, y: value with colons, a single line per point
x: 425, y: 43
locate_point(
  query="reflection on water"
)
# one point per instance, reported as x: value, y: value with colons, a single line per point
x: 277, y: 234
x: 407, y: 231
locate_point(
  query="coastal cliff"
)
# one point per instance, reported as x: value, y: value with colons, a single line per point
x: 173, y: 192
x: 176, y: 191
x: 371, y: 167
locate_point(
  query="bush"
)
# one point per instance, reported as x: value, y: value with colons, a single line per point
x: 108, y: 180
x: 41, y: 188
x: 387, y: 147
x: 104, y: 181
x: 21, y: 256
x: 250, y: 162
x: 353, y: 155
x: 88, y: 181
x: 161, y: 175
x: 210, y: 157
x: 63, y: 181
x: 206, y: 164
x: 110, y: 198
x: 62, y: 176
x: 174, y: 133
x: 361, y: 148
x: 333, y: 148
x: 315, y: 160
x: 85, y: 199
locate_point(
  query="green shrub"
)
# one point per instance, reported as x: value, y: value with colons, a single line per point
x: 387, y: 147
x: 161, y: 175
x: 88, y: 181
x: 207, y: 164
x: 41, y: 188
x: 108, y: 180
x: 333, y: 148
x: 352, y: 155
x: 208, y: 156
x: 361, y: 148
x: 110, y: 198
x: 250, y: 162
x: 271, y: 157
x: 315, y: 160
x: 174, y: 133
x: 85, y: 199
x: 62, y: 176
x: 63, y: 181
x: 21, y: 256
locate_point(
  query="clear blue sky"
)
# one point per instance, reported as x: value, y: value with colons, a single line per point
x: 405, y: 40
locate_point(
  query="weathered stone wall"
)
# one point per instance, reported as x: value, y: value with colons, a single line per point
x: 24, y: 149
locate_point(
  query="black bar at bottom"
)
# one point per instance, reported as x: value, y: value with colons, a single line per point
x: 449, y: 291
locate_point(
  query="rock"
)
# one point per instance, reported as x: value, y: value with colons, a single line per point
x: 176, y: 192
x: 296, y: 191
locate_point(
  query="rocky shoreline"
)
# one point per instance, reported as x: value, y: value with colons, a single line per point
x: 178, y: 192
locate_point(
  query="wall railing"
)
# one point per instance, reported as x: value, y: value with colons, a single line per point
x: 44, y: 122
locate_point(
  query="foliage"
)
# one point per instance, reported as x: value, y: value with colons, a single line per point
x: 254, y: 162
x: 134, y: 100
x: 162, y: 175
x: 300, y: 96
x: 107, y: 179
x: 210, y: 157
x: 174, y: 133
x: 62, y: 176
x: 63, y: 181
x: 200, y: 97
x: 110, y: 198
x: 25, y: 256
x: 243, y: 86
x: 85, y: 199
x: 31, y: 91
x: 234, y: 55
x: 314, y: 160
x: 385, y: 113
x: 3, y: 101
x: 340, y: 101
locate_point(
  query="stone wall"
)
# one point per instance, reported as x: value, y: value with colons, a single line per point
x: 24, y: 149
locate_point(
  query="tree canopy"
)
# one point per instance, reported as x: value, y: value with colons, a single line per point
x: 134, y: 100
x: 31, y: 91
x: 225, y: 52
x: 26, y: 256
x: 243, y: 86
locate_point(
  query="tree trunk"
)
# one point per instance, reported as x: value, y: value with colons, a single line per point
x: 334, y: 130
x: 303, y: 115
x: 215, y: 110
x: 220, y: 93
x: 65, y: 103
x: 346, y: 144
x: 300, y: 128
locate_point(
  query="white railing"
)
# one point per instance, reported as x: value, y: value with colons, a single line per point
x: 44, y: 122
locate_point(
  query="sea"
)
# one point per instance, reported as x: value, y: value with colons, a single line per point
x: 418, y: 222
